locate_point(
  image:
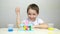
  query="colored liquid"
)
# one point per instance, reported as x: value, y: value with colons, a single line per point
x: 10, y: 30
x: 24, y: 27
x: 50, y: 28
x: 29, y: 27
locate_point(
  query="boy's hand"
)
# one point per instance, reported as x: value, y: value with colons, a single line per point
x: 17, y: 11
x: 41, y: 26
x: 36, y: 26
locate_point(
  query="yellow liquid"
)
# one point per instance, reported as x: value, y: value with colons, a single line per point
x: 24, y: 27
x: 50, y: 28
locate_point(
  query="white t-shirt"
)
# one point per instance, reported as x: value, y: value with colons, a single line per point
x: 36, y: 22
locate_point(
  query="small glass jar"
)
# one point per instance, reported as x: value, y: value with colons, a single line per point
x: 51, y: 26
x: 10, y: 27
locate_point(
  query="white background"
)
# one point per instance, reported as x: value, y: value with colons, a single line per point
x: 49, y: 11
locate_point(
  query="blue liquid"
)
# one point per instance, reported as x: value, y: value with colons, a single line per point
x: 10, y: 29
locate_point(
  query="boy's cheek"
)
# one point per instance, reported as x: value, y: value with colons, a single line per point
x: 35, y: 16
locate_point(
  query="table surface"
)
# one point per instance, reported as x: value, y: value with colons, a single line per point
x: 35, y: 31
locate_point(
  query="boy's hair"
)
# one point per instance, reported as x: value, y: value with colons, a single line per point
x: 34, y: 7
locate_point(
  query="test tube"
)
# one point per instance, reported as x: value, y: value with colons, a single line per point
x: 30, y: 27
x: 22, y: 26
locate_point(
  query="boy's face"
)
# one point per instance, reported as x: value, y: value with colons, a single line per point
x: 32, y: 14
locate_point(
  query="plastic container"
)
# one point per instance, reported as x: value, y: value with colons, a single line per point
x: 51, y: 26
x: 10, y: 27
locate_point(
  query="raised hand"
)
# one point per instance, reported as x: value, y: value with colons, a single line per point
x: 17, y: 9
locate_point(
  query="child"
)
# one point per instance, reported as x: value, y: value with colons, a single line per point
x: 33, y: 12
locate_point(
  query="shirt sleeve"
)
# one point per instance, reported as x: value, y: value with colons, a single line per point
x: 40, y: 21
x: 23, y: 21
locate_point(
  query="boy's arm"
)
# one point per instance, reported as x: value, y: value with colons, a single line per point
x: 18, y: 21
x: 17, y: 16
x: 42, y: 26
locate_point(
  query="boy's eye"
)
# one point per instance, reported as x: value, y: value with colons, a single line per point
x: 33, y: 14
x: 29, y: 14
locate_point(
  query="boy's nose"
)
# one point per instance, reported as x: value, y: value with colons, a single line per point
x: 32, y: 16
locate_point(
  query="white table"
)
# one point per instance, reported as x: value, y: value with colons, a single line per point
x: 36, y: 31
